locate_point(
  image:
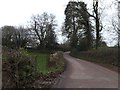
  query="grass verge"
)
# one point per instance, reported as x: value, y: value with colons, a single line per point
x: 42, y: 63
x: 47, y: 75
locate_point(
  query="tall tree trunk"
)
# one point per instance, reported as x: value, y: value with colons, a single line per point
x: 97, y: 25
x: 88, y: 35
x: 97, y: 33
x: 74, y: 37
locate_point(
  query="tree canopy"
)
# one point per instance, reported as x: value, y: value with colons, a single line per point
x: 77, y: 24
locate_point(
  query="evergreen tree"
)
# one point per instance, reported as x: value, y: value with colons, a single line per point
x: 50, y: 38
x: 77, y: 24
x: 87, y: 24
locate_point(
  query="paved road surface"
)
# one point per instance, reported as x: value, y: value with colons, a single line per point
x: 83, y: 74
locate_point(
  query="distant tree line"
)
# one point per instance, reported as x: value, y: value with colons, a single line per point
x: 13, y: 37
x: 39, y: 34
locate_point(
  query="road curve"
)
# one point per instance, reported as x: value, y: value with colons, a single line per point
x: 84, y: 74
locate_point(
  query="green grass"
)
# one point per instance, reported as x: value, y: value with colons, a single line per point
x: 41, y: 62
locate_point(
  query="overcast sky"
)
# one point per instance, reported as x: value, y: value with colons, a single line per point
x: 18, y: 12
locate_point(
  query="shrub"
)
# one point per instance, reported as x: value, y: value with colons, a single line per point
x: 56, y: 61
x: 102, y: 55
x: 83, y: 45
x: 20, y: 68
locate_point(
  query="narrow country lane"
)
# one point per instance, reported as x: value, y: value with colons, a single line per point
x: 83, y: 74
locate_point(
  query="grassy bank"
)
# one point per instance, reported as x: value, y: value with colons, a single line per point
x: 42, y: 63
x: 107, y: 57
x: 47, y: 75
x: 59, y: 67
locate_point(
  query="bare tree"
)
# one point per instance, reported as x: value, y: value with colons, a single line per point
x: 7, y: 35
x: 97, y: 13
x: 21, y: 37
x: 116, y: 23
x: 98, y: 24
x: 40, y: 27
x: 14, y: 37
